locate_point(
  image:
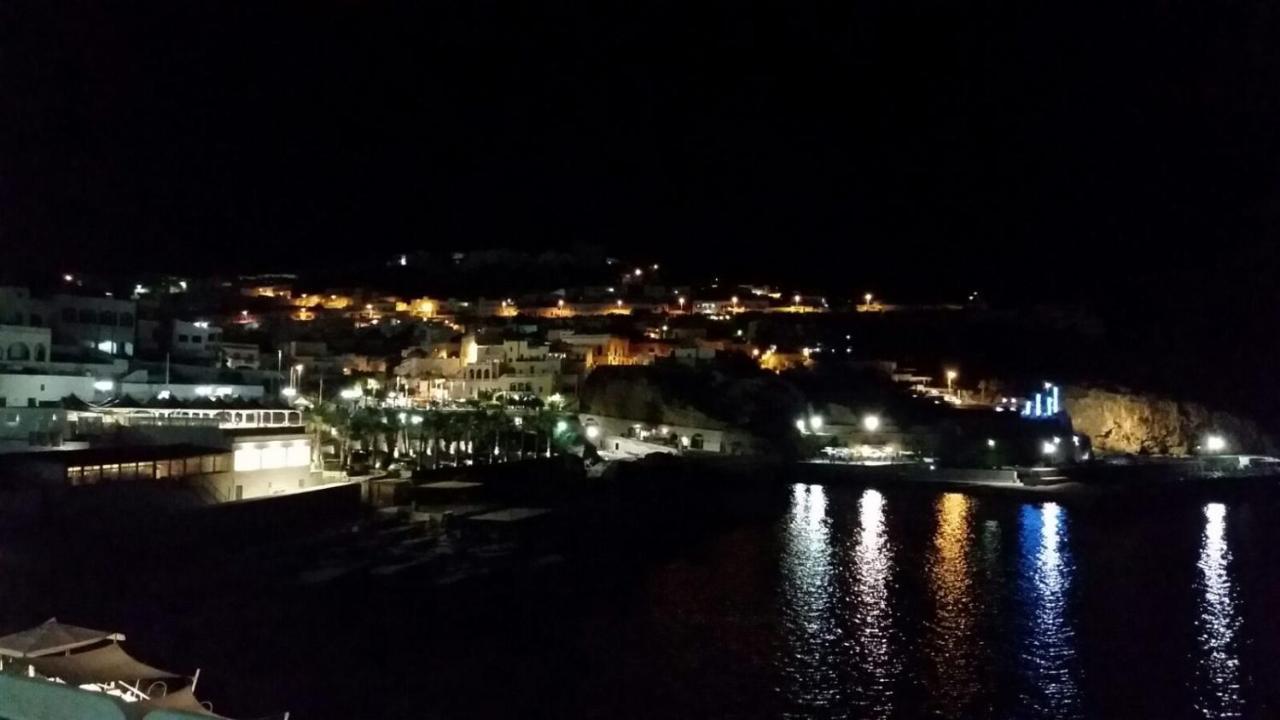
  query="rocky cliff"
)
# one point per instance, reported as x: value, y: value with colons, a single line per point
x: 675, y: 395
x: 1123, y: 422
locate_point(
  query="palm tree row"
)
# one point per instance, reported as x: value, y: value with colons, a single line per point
x: 429, y: 438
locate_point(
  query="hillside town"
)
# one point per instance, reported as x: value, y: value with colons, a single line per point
x: 261, y: 385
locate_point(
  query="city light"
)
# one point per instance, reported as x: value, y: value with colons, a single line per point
x: 991, y: 442
x: 1048, y: 447
x: 562, y: 425
x: 867, y: 298
x: 1215, y: 443
x: 815, y: 422
x: 639, y: 272
x: 593, y: 432
x: 800, y: 425
x: 103, y: 385
x: 350, y: 393
x: 289, y: 392
x: 871, y: 423
x: 416, y: 419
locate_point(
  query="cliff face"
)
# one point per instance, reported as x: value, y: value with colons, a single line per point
x: 1119, y: 422
x: 760, y: 404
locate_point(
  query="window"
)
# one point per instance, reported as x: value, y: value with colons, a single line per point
x: 299, y: 455
x: 18, y: 351
x: 183, y: 338
x: 40, y: 354
x: 68, y: 315
x: 197, y: 339
x: 247, y: 458
x: 126, y: 319
x: 87, y: 316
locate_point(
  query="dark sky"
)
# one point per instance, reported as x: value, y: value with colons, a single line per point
x: 918, y: 142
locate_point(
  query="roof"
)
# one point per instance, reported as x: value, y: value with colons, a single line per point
x: 273, y: 432
x: 511, y: 515
x: 113, y: 454
x: 451, y: 485
x: 109, y: 663
x: 51, y: 637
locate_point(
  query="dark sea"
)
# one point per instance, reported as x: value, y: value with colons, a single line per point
x: 813, y: 602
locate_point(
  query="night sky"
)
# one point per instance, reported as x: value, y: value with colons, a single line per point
x: 916, y: 144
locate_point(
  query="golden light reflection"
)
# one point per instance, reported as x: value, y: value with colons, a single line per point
x: 954, y: 678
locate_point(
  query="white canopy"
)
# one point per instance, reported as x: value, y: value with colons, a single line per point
x: 50, y: 638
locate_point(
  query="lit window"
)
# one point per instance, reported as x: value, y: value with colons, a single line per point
x: 299, y: 455
x: 247, y: 459
x: 274, y: 456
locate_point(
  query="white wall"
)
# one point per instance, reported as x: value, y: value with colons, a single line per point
x: 22, y: 390
x: 22, y: 346
x: 190, y: 391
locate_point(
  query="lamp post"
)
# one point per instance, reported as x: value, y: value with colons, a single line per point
x: 951, y: 378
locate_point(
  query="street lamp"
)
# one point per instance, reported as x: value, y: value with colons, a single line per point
x: 871, y: 423
x: 1215, y: 443
x: 681, y: 301
x: 815, y: 422
x: 951, y: 378
x: 1048, y: 448
x: 867, y: 298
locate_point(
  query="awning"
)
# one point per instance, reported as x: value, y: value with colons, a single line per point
x: 109, y: 663
x: 183, y: 700
x: 50, y: 638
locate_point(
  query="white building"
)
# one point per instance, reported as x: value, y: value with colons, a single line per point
x: 512, y: 367
x: 241, y: 356
x: 24, y: 347
x: 102, y: 323
x: 194, y: 339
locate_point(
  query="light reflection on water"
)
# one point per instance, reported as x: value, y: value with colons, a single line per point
x: 812, y: 666
x: 1048, y: 649
x: 877, y: 659
x: 1219, y: 621
x: 953, y: 645
x: 928, y: 615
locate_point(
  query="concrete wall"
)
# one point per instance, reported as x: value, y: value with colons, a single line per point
x: 228, y: 487
x: 688, y: 436
x: 26, y: 390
